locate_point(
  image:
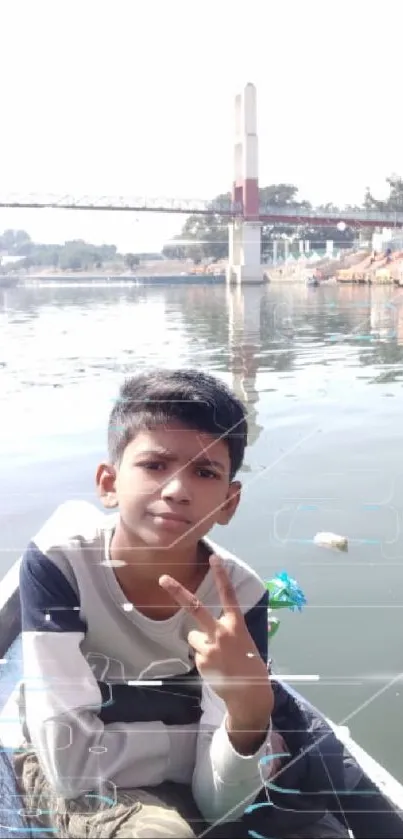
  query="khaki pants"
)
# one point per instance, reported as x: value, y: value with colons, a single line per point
x: 164, y: 812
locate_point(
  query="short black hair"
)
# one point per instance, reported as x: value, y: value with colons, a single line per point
x: 194, y: 398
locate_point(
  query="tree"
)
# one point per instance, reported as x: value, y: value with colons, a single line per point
x: 131, y: 260
x: 393, y: 202
x: 11, y: 242
x: 281, y: 195
x: 73, y: 255
x: 172, y: 251
x: 74, y: 263
x: 202, y: 237
x: 27, y: 263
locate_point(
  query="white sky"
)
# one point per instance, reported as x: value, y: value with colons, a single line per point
x: 135, y: 97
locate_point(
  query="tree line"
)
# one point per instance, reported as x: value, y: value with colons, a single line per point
x: 74, y: 255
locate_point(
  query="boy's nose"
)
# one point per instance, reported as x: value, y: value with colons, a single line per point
x: 176, y: 488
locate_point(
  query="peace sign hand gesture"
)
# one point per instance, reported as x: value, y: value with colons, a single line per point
x: 227, y: 658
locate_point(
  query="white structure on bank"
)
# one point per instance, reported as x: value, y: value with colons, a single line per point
x: 379, y: 240
x: 244, y: 255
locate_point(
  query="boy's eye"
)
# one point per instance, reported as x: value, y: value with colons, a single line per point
x: 159, y: 465
x: 207, y: 473
x: 152, y: 464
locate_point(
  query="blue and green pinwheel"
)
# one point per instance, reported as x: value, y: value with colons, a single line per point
x: 284, y: 593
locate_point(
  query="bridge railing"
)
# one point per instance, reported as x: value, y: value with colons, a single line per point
x: 288, y: 211
x: 224, y: 207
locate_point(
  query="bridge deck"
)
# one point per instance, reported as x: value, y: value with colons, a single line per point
x: 267, y: 213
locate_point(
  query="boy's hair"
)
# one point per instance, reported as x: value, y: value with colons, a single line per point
x: 191, y: 397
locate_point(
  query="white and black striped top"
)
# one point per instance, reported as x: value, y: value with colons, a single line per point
x: 84, y: 645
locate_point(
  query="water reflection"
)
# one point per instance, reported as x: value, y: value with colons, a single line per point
x: 292, y: 341
x: 245, y: 342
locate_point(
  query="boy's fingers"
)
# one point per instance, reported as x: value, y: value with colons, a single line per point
x: 189, y: 602
x: 225, y: 588
x: 197, y: 640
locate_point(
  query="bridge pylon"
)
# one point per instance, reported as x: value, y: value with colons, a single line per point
x: 244, y: 252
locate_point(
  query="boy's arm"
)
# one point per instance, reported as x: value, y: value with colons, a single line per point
x: 225, y: 782
x: 63, y: 699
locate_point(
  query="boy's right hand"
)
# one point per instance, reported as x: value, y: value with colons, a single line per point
x: 226, y: 655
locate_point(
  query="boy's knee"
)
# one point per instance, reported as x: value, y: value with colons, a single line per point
x: 153, y: 820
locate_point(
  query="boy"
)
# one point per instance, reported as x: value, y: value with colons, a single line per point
x: 146, y: 698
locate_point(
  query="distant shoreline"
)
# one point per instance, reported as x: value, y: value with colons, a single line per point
x: 113, y: 279
x: 149, y: 269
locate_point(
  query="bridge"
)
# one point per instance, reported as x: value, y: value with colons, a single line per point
x: 242, y: 209
x: 269, y: 214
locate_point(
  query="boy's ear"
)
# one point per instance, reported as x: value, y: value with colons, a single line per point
x: 106, y: 485
x: 228, y: 509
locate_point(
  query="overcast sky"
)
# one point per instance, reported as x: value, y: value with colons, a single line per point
x: 136, y: 97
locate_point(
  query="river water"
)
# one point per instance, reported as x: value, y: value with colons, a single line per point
x: 322, y: 373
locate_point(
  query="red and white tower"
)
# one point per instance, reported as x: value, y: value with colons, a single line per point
x: 244, y: 258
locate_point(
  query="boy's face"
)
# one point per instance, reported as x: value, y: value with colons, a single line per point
x: 172, y: 486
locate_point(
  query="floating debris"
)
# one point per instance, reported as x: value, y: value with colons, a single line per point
x: 331, y: 540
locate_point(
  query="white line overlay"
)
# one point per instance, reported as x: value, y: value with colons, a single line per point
x: 310, y: 677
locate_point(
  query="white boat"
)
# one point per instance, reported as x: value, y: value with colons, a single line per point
x: 372, y: 810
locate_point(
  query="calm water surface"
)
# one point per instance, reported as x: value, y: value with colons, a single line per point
x: 321, y: 371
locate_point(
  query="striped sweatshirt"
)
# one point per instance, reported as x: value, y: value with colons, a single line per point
x: 111, y: 698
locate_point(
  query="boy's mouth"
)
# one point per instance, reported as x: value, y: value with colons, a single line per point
x: 170, y: 518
